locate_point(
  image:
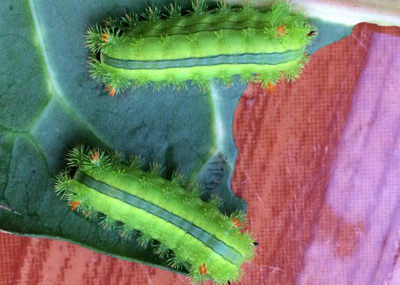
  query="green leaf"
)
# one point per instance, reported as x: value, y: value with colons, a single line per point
x: 49, y: 103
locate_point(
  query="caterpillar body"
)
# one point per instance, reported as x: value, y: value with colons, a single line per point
x: 262, y: 45
x: 189, y: 232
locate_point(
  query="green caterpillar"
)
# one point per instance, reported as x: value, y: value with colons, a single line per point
x: 189, y: 232
x: 167, y: 47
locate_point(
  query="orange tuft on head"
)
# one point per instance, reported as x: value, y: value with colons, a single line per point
x: 74, y: 205
x: 281, y: 30
x: 236, y: 222
x: 95, y: 157
x: 203, y: 269
x: 105, y: 37
x: 110, y: 90
x: 270, y: 88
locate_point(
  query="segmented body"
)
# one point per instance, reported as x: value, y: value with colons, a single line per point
x: 268, y: 43
x: 194, y: 231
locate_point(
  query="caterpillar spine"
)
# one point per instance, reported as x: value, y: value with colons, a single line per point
x: 167, y: 47
x: 188, y: 232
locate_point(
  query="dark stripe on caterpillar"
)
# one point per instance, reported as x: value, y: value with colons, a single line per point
x: 208, y: 239
x: 248, y: 58
x: 160, y: 48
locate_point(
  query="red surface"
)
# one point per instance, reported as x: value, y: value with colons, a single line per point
x: 289, y: 145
